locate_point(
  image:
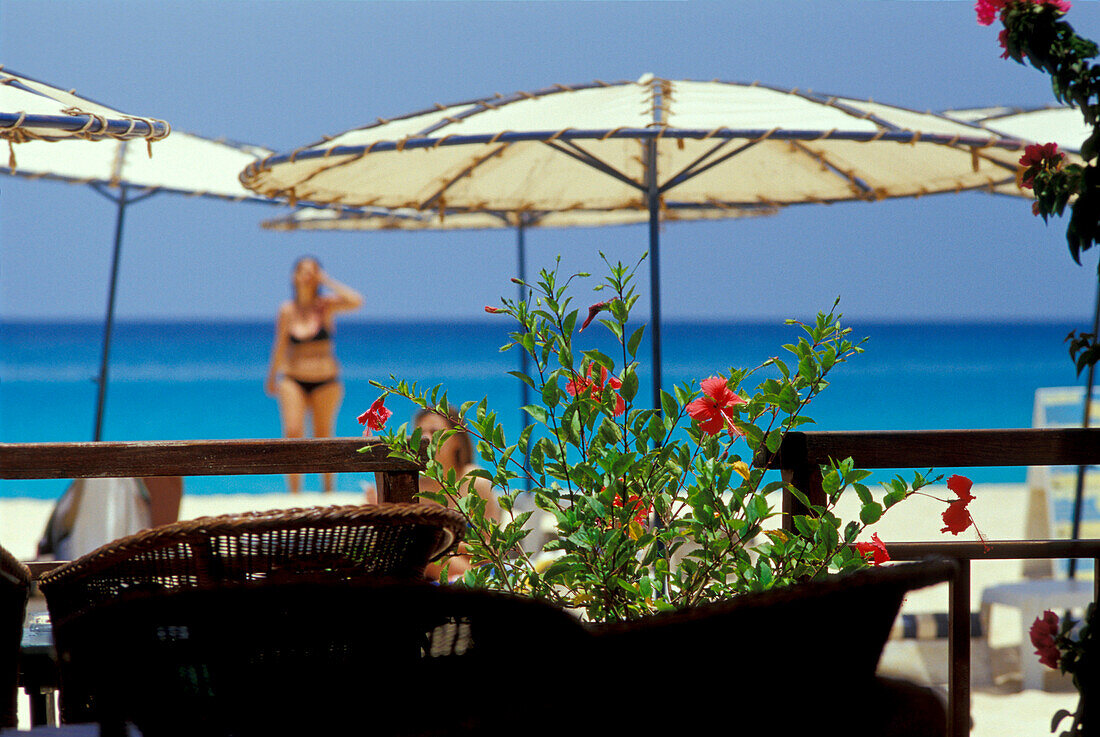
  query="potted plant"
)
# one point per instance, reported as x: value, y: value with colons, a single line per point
x: 654, y: 509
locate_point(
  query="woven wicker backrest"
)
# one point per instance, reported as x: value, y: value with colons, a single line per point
x: 320, y: 543
x: 321, y: 657
x: 15, y: 584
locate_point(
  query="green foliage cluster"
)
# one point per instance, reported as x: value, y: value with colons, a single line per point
x: 651, y: 512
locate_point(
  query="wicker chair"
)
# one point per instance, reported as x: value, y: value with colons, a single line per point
x: 311, y: 657
x: 317, y: 544
x: 15, y: 586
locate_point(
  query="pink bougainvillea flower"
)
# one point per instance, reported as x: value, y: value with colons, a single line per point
x: 593, y: 388
x: 987, y: 10
x: 956, y: 517
x: 1002, y: 39
x: 1038, y: 157
x: 877, y: 547
x: 641, y: 512
x: 375, y: 417
x: 593, y: 311
x: 714, y: 410
x: 1043, y: 631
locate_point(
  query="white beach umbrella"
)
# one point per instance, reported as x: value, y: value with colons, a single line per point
x: 35, y: 111
x: 652, y: 146
x: 123, y: 172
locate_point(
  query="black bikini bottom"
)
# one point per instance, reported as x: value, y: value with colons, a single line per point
x: 310, y: 386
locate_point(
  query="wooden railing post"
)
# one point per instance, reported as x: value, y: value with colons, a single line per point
x: 958, y: 648
x: 798, y: 471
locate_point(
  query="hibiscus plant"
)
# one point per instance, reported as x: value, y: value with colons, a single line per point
x: 652, y: 508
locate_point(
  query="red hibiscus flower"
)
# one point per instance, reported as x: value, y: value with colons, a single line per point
x: 375, y: 417
x: 586, y: 385
x: 1043, y: 631
x: 714, y: 410
x: 957, y: 517
x: 641, y: 513
x: 877, y: 547
x: 593, y: 311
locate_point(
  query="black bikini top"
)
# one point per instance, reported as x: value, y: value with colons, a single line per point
x: 321, y: 334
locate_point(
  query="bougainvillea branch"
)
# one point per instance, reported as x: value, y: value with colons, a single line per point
x: 1035, y: 32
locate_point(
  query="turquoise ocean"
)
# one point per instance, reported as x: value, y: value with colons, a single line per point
x: 204, y: 380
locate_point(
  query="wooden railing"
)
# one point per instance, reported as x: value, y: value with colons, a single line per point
x: 397, y: 479
x: 800, y: 459
x: 803, y: 454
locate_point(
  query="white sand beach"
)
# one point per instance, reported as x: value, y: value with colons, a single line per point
x: 1000, y: 706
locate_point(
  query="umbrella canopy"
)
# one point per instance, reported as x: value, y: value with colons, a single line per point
x: 31, y: 110
x: 407, y: 218
x: 651, y: 145
x: 123, y: 172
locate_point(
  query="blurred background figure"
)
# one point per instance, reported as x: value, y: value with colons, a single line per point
x: 304, y: 375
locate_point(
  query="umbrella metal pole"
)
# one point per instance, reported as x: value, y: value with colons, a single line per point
x: 101, y: 380
x: 1079, y: 492
x: 524, y: 390
x: 653, y: 196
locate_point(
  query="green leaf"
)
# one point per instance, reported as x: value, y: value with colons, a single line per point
x: 774, y: 440
x: 668, y: 405
x: 537, y: 412
x: 635, y: 341
x: 519, y: 375
x: 870, y: 513
x: 629, y: 389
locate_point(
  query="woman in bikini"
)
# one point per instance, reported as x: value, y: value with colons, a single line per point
x: 304, y: 375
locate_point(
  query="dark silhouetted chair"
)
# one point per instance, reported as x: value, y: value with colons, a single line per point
x: 15, y: 586
x: 322, y: 544
x: 358, y: 656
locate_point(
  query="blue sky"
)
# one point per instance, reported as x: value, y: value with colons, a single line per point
x: 283, y: 74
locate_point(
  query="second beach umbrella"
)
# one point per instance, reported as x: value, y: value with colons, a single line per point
x: 123, y: 172
x: 652, y: 146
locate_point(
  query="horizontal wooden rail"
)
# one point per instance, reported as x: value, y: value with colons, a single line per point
x: 943, y: 448
x: 397, y: 479
x: 195, y: 458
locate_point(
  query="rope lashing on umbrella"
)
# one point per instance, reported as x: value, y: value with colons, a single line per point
x: 560, y: 133
x: 15, y: 134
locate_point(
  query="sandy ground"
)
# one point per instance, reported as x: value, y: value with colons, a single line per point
x: 1000, y: 707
